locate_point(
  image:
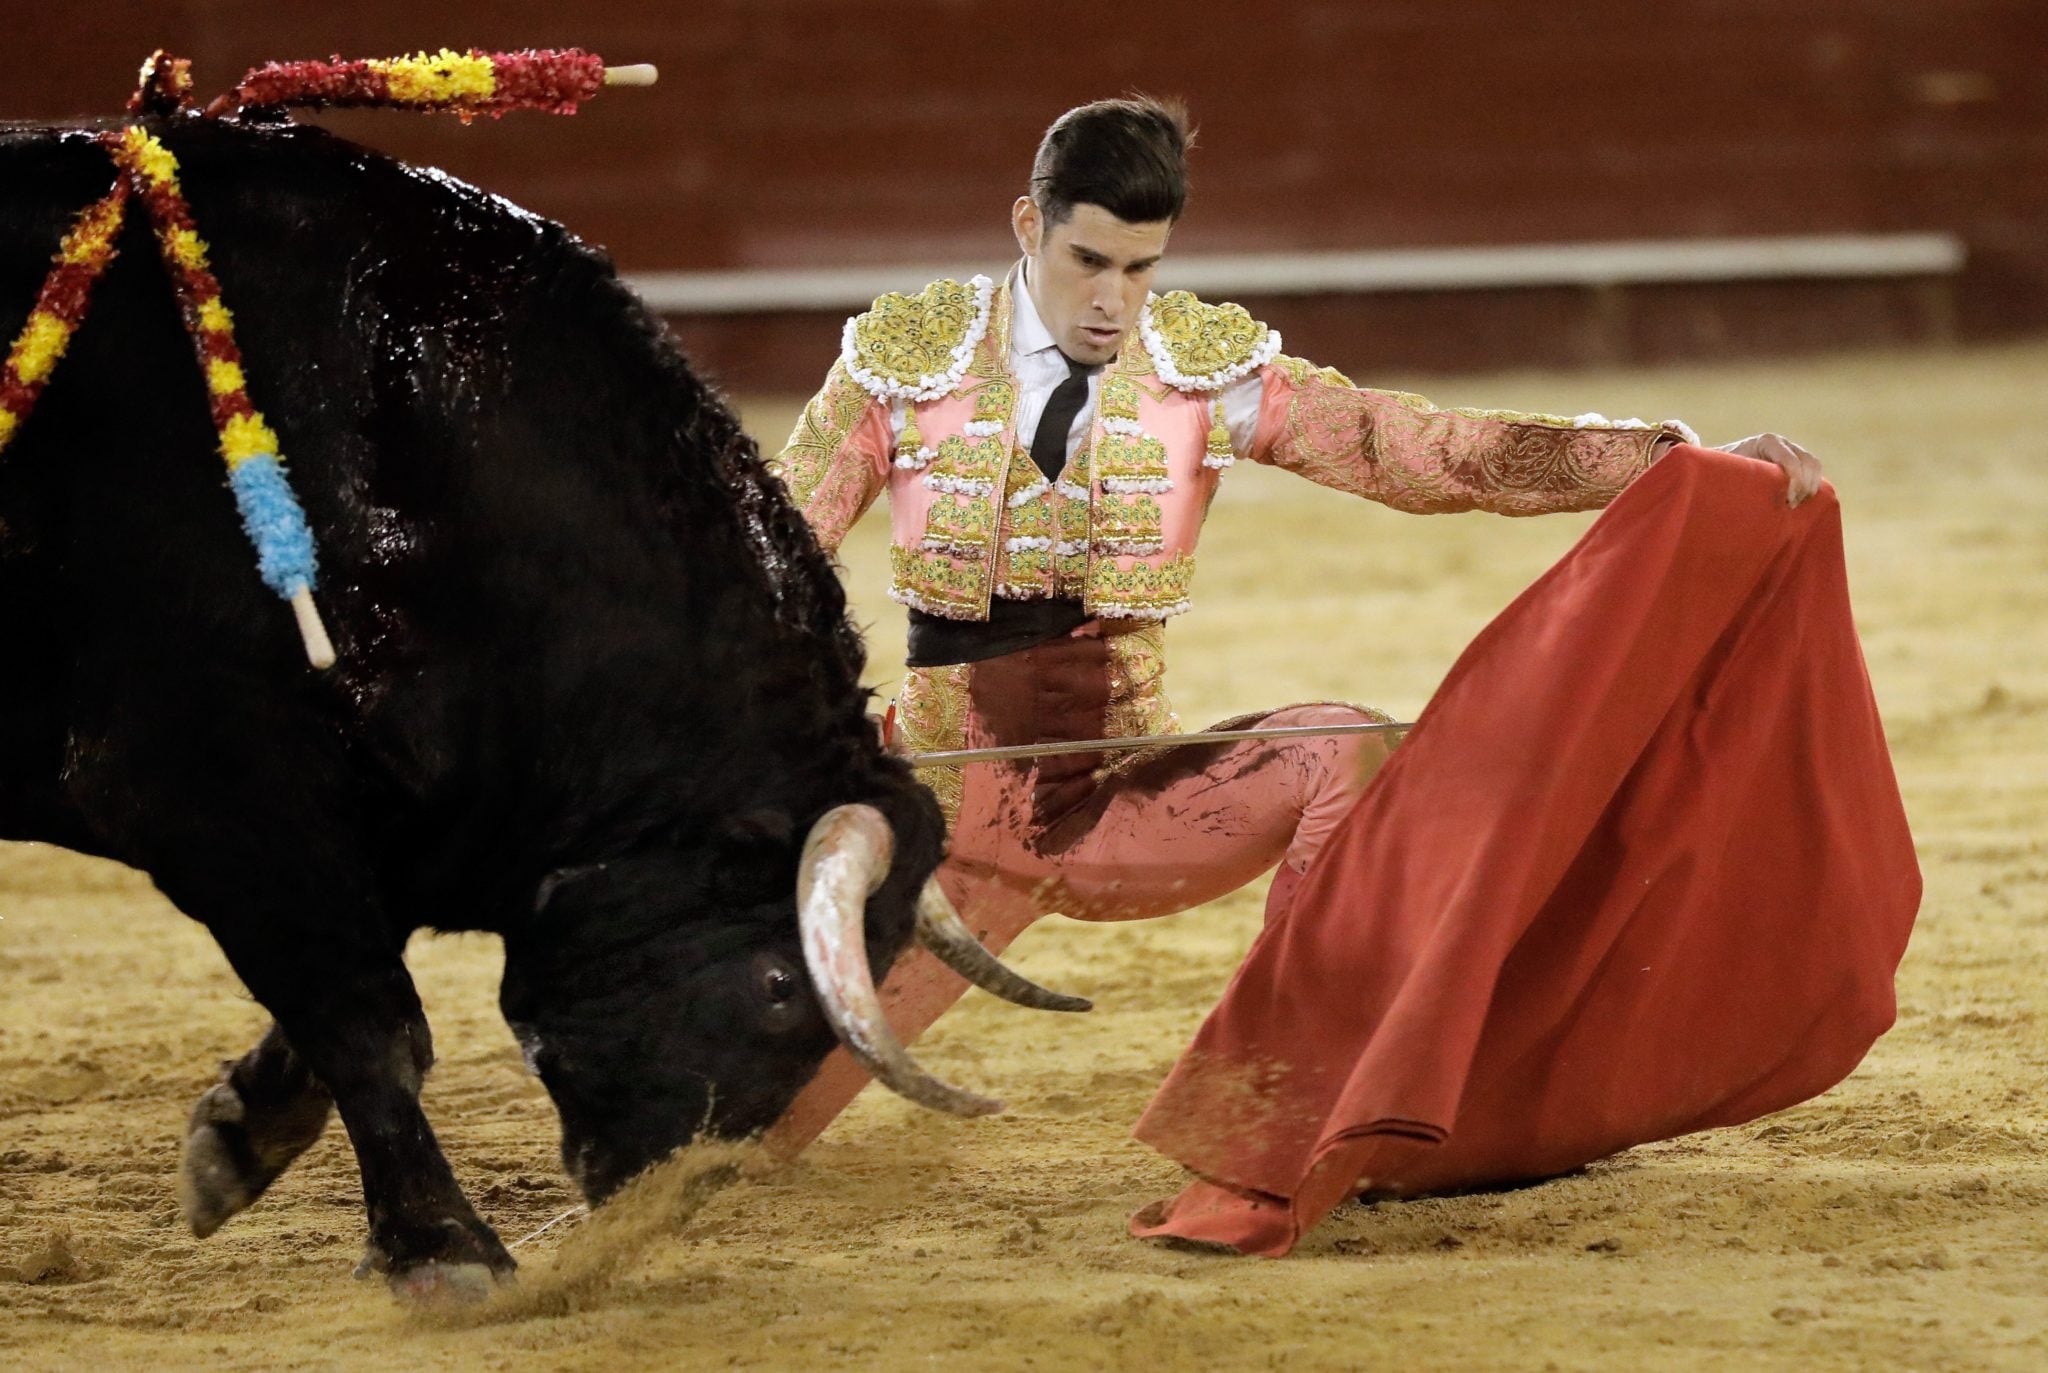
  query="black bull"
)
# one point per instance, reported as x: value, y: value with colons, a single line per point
x: 596, y: 679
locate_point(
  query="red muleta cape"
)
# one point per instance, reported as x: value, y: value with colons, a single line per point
x: 1641, y: 869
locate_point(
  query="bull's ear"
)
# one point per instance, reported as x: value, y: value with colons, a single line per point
x: 754, y: 858
x: 762, y: 828
x: 553, y: 883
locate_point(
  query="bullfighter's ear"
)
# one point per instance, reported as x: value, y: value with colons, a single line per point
x: 554, y: 881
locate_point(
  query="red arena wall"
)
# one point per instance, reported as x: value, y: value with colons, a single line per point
x: 805, y: 134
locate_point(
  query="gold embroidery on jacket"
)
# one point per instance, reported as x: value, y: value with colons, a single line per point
x: 1397, y: 448
x: 906, y: 340
x: 992, y: 359
x: 964, y: 525
x: 1027, y: 574
x: 1070, y: 549
x: 1301, y: 372
x: 1137, y: 684
x: 931, y: 715
x: 1130, y: 456
x: 994, y: 401
x: 1064, y: 538
x: 1024, y: 570
x: 1031, y: 520
x: 939, y: 584
x: 966, y: 459
x: 1119, y: 397
x: 961, y: 525
x: 1206, y: 342
x: 809, y: 464
x: 1140, y: 590
x: 1128, y: 526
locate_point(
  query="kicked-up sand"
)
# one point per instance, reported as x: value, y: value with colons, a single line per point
x: 1901, y: 1221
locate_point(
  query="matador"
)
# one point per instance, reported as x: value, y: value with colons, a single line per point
x: 1050, y: 445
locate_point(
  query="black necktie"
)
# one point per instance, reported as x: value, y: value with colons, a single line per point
x: 1049, y: 444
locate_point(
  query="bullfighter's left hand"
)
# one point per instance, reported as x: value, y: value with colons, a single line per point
x: 1802, y: 469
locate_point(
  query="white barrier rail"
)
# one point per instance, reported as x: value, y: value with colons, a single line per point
x: 1807, y: 257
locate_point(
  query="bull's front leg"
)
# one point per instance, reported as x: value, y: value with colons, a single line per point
x: 246, y: 821
x: 424, y: 1235
x: 355, y: 1021
x: 249, y: 1127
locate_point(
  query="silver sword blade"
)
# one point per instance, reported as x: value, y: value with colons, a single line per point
x: 957, y: 756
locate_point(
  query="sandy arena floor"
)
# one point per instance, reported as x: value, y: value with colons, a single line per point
x: 1899, y: 1222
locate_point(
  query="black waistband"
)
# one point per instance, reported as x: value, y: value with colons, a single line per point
x: 1011, y: 625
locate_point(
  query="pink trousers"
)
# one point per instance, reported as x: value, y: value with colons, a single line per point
x: 1111, y: 836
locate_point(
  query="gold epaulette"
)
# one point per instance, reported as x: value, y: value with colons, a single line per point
x: 918, y: 347
x: 1200, y: 347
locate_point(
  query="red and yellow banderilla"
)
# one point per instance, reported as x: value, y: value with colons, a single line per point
x: 466, y: 84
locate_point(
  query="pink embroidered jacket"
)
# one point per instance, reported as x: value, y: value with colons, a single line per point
x: 973, y: 517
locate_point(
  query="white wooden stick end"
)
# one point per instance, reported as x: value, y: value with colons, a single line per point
x: 319, y: 648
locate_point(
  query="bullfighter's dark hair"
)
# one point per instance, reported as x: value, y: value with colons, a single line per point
x: 1129, y: 156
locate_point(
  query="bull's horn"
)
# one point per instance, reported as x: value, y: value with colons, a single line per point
x: 845, y: 858
x: 940, y: 929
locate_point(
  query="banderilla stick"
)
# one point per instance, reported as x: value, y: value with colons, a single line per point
x: 573, y: 1213
x: 957, y: 756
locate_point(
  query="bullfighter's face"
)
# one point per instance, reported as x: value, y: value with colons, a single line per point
x: 1088, y: 275
x: 663, y: 998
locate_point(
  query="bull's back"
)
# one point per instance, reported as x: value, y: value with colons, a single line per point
x: 370, y: 304
x: 507, y: 470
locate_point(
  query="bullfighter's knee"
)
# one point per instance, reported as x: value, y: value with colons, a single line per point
x: 1337, y: 769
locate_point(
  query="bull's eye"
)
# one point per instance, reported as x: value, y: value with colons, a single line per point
x: 779, y: 992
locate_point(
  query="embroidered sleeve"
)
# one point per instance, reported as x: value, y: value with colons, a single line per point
x: 1400, y: 450
x: 837, y: 459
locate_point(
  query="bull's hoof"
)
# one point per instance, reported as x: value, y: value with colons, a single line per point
x: 445, y: 1284
x: 218, y: 1174
x: 451, y: 1263
x: 235, y: 1149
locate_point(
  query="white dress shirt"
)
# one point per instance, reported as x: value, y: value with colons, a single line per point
x: 1038, y: 366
